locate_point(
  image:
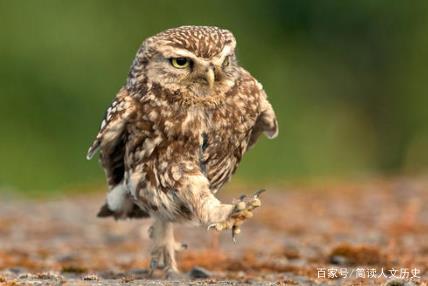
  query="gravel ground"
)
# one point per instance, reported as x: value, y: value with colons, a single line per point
x: 330, y: 235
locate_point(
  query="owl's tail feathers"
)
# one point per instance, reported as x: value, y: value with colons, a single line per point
x: 133, y: 212
x: 120, y: 206
x: 105, y: 211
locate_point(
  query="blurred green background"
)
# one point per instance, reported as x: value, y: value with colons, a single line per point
x: 348, y: 80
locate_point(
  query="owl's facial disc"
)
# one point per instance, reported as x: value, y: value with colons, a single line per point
x: 180, y: 69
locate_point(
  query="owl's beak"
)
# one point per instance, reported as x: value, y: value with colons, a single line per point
x: 210, y: 76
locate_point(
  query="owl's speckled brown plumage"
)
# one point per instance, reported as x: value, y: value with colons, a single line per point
x: 174, y: 136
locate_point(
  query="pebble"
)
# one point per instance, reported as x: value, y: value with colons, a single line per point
x: 199, y: 273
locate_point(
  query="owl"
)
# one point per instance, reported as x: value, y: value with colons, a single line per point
x: 175, y: 134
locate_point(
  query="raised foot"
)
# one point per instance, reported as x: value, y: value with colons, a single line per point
x: 243, y: 210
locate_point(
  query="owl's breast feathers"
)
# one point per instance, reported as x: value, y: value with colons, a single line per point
x: 167, y: 141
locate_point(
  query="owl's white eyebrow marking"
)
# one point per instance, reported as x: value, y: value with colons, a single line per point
x: 226, y: 51
x: 218, y: 59
x: 175, y: 53
x: 184, y: 53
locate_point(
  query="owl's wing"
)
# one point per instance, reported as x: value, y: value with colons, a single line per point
x: 266, y: 121
x: 111, y: 140
x: 113, y: 124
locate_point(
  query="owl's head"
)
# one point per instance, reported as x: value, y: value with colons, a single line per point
x: 195, y: 60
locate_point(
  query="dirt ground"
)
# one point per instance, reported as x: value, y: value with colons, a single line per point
x: 371, y: 233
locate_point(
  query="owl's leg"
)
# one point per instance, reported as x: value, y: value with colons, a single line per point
x: 214, y: 214
x: 164, y: 247
x: 242, y: 210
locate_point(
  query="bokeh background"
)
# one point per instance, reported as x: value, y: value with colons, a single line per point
x: 348, y: 80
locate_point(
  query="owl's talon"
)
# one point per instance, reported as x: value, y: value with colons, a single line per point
x: 258, y: 193
x: 211, y: 226
x: 216, y: 226
x: 235, y: 231
x: 243, y: 210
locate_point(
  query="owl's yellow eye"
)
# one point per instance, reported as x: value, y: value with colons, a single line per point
x: 180, y: 63
x: 226, y: 61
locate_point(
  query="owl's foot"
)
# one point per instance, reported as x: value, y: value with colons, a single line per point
x: 243, y: 209
x: 164, y: 248
x: 163, y: 258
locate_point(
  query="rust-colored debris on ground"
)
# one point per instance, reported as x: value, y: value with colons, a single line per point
x: 364, y: 234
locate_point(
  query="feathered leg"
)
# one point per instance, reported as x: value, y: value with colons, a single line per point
x: 164, y: 247
x: 214, y: 214
x: 242, y: 210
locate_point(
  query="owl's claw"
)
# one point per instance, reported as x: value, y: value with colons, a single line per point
x: 258, y: 193
x: 235, y: 231
x: 243, y: 210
